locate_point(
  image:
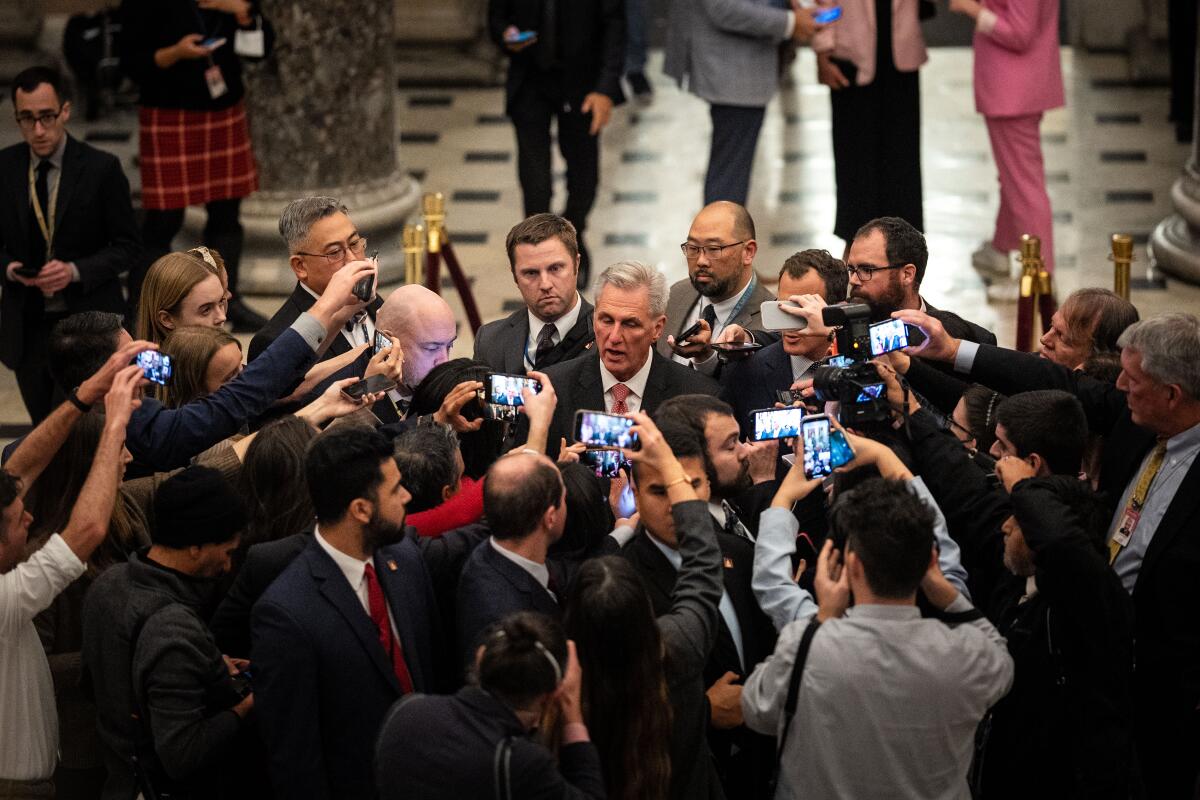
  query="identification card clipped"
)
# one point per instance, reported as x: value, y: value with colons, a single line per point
x: 251, y: 44
x: 216, y: 82
x: 1129, y: 522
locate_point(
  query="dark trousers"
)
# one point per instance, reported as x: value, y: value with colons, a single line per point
x: 38, y: 390
x: 222, y: 232
x: 731, y: 155
x: 877, y: 150
x: 532, y: 111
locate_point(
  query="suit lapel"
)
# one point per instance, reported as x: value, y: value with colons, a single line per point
x: 751, y: 314
x: 336, y: 589
x: 683, y: 296
x: 69, y: 176
x: 514, y: 346
x: 1180, y: 513
x: 656, y: 383
x: 400, y: 588
x: 20, y: 186
x: 654, y: 567
x: 589, y: 385
x: 521, y: 581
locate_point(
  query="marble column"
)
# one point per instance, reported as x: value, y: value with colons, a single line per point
x: 445, y: 43
x: 323, y: 119
x: 1175, y: 245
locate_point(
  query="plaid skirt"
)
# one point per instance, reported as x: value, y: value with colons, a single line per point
x: 189, y: 158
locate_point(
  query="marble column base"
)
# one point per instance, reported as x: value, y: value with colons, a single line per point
x: 379, y: 208
x: 1175, y: 244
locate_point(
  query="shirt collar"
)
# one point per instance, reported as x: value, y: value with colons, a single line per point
x: 1184, y: 440
x: 718, y: 512
x: 672, y: 555
x: 350, y: 566
x: 876, y: 611
x: 540, y: 572
x: 724, y: 308
x: 563, y: 324
x: 800, y: 365
x: 636, y: 384
x: 55, y: 158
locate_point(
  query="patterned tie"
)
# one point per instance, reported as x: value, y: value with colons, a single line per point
x: 619, y: 392
x: 1136, y: 501
x: 545, y: 343
x: 379, y: 615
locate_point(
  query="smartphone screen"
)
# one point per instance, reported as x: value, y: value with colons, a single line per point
x: 872, y: 391
x: 828, y: 15
x: 155, y: 366
x: 382, y: 342
x: 605, y: 463
x: 818, y: 455
x: 887, y: 336
x: 841, y: 453
x: 371, y: 385
x: 505, y: 390
x: 838, y: 361
x: 777, y: 423
x: 597, y: 429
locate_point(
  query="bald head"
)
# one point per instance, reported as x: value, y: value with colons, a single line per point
x: 523, y: 494
x: 736, y: 218
x: 425, y: 326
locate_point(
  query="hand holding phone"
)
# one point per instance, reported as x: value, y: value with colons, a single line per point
x: 893, y: 334
x: 364, y: 289
x: 504, y: 389
x: 213, y: 43
x: 156, y: 366
x: 598, y: 430
x: 777, y: 423
x: 372, y: 385
x: 825, y: 447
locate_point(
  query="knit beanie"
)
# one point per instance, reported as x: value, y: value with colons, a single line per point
x: 197, y: 506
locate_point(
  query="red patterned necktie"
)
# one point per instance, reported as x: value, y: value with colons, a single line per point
x: 379, y: 615
x: 619, y: 392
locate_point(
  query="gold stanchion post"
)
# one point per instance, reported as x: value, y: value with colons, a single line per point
x: 414, y: 247
x: 1122, y: 258
x: 1031, y: 289
x: 433, y: 208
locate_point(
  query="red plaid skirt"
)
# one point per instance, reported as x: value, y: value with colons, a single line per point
x: 189, y: 158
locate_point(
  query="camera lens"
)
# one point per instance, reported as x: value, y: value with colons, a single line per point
x: 825, y: 382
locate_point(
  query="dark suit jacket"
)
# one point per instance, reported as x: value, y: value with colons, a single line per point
x: 578, y: 385
x: 322, y: 682
x: 492, y: 587
x: 1166, y: 596
x: 591, y: 47
x: 297, y: 303
x: 94, y: 228
x: 501, y: 344
x: 751, y: 384
x: 758, y: 642
x: 960, y: 328
x: 443, y: 748
x: 684, y: 296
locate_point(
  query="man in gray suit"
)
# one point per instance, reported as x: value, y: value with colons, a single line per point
x: 721, y: 291
x: 728, y: 53
x: 556, y: 323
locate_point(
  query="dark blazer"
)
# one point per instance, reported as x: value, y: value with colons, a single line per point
x: 322, y: 682
x: 162, y: 439
x: 443, y: 748
x: 492, y: 587
x: 94, y: 228
x: 501, y: 344
x: 1166, y: 596
x: 591, y: 47
x: 960, y: 328
x: 297, y: 303
x: 751, y: 384
x: 684, y: 296
x: 751, y: 770
x: 578, y: 386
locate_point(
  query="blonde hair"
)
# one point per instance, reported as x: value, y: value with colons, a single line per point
x: 191, y: 348
x: 169, y: 280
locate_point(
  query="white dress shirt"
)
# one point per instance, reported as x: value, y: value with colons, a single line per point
x: 562, y: 326
x: 356, y: 575
x: 636, y: 384
x: 800, y: 365
x: 28, y: 717
x: 362, y: 328
x: 723, y: 310
x: 540, y: 572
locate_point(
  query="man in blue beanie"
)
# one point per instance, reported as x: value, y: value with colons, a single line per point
x: 185, y: 704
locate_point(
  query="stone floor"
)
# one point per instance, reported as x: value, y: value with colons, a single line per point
x: 1110, y: 162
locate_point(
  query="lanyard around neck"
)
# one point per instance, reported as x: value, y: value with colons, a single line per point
x: 45, y: 220
x: 741, y: 303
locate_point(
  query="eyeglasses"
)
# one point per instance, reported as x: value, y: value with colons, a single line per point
x: 864, y: 272
x: 692, y: 251
x: 29, y: 121
x: 341, y: 253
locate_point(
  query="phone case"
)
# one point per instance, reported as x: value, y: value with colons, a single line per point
x: 775, y: 319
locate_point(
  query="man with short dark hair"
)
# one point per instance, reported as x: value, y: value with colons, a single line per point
x: 525, y: 504
x: 877, y: 666
x: 182, y: 710
x: 811, y: 280
x: 556, y: 323
x: 886, y: 261
x: 1045, y: 426
x: 349, y: 627
x: 430, y: 465
x: 67, y: 233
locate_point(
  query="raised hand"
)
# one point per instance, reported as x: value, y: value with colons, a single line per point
x: 97, y: 386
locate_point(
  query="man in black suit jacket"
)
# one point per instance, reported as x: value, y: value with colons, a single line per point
x: 524, y: 501
x: 556, y: 323
x: 624, y: 373
x: 745, y: 635
x: 1155, y: 404
x: 570, y: 71
x: 350, y: 626
x: 67, y: 233
x: 886, y: 262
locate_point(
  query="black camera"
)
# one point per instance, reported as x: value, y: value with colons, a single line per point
x: 853, y: 323
x: 858, y: 390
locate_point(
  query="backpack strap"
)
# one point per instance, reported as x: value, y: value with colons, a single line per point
x: 789, y: 706
x: 502, y: 769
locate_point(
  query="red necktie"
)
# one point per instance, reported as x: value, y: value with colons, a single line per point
x: 619, y: 392
x: 379, y: 615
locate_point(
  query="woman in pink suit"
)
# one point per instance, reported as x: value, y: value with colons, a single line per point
x: 1017, y: 77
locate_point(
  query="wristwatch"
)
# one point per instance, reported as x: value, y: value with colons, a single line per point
x: 75, y: 401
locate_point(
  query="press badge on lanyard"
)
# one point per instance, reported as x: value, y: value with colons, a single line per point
x: 216, y: 81
x: 1129, y: 523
